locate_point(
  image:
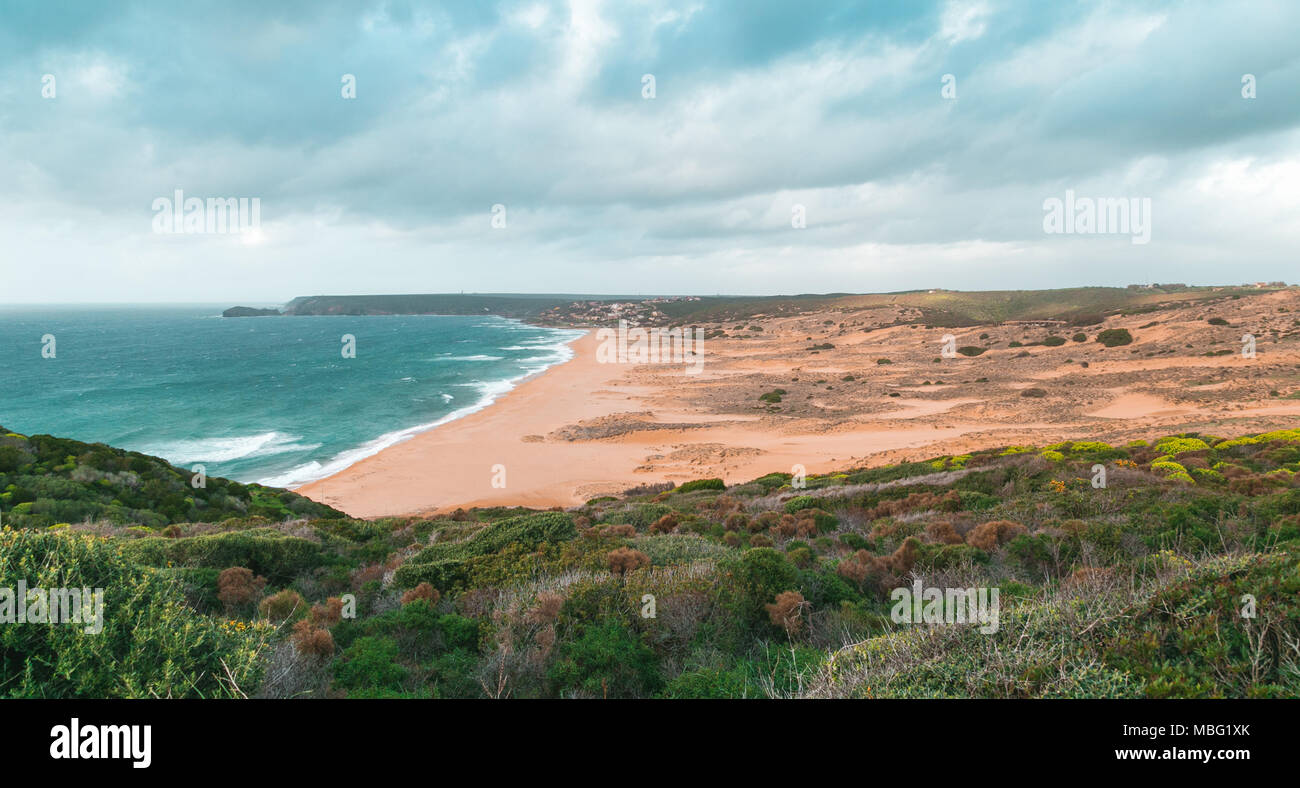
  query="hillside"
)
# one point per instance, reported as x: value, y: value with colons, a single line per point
x: 949, y: 308
x: 766, y: 588
x: 49, y: 482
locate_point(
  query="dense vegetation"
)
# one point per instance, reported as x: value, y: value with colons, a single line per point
x: 49, y: 482
x: 1135, y: 588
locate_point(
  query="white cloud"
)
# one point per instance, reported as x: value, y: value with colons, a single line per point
x: 963, y: 20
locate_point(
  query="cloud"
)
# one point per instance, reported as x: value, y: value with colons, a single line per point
x: 832, y: 106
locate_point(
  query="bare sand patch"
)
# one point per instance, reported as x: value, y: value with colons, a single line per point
x: 1137, y: 406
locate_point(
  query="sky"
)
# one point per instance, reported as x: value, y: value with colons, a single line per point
x: 642, y: 146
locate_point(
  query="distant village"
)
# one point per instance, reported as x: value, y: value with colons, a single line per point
x: 1180, y: 286
x: 636, y: 313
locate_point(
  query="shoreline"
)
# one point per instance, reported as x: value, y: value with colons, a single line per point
x: 404, y: 434
x: 454, y: 466
x: 859, y: 390
x: 451, y: 465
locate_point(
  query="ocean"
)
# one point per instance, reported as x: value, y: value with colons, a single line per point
x: 256, y: 399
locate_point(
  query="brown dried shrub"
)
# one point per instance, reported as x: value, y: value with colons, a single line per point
x: 237, y: 587
x: 424, y: 591
x: 942, y: 532
x: 759, y: 540
x: 547, y: 609
x: 786, y: 612
x: 625, y: 559
x: 764, y: 521
x: 172, y: 531
x: 904, y: 558
x: 620, y: 531
x: 721, y: 506
x: 859, y: 566
x: 731, y: 538
x: 922, y: 501
x: 328, y: 614
x: 735, y: 521
x: 787, y: 526
x: 666, y: 524
x: 312, y: 640
x: 987, y: 536
x: 862, y: 567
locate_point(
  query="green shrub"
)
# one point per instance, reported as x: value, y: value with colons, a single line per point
x: 605, y: 661
x: 1176, y: 445
x: 754, y: 579
x: 1115, y: 337
x: 702, y: 484
x: 274, y: 555
x: 800, y: 502
x: 707, y: 683
x: 639, y: 515
x: 151, y: 643
x: 446, y: 565
x: 370, y: 663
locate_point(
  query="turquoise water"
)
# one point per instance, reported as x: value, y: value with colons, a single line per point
x: 265, y: 399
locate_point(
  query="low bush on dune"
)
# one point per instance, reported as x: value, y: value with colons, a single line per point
x: 702, y: 484
x: 1115, y: 337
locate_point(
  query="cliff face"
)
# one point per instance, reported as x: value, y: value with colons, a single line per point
x: 248, y: 311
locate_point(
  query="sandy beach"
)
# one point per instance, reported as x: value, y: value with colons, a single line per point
x: 455, y: 465
x: 860, y: 389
